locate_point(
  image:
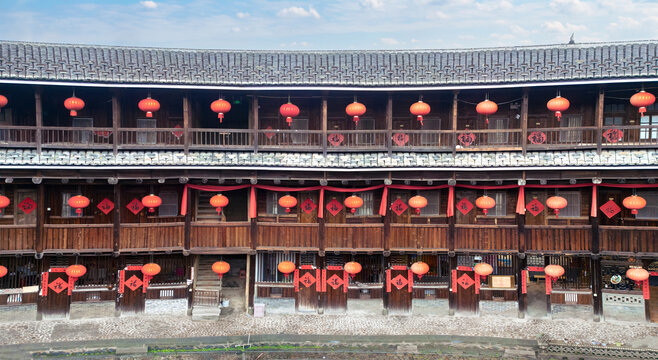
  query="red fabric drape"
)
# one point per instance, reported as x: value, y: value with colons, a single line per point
x: 253, y: 205
x: 183, y: 206
x: 382, y: 205
x: 520, y: 202
x: 321, y: 204
x: 450, y: 211
x: 593, y: 211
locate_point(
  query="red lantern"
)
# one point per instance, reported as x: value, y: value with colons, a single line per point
x: 556, y: 203
x: 74, y: 104
x: 149, y: 106
x: 151, y: 202
x: 4, y: 202
x: 420, y: 109
x: 74, y: 272
x: 642, y: 100
x: 220, y: 268
x: 637, y: 274
x: 634, y: 203
x: 219, y: 201
x: 149, y: 270
x: 289, y: 111
x: 3, y: 101
x: 355, y: 110
x: 352, y: 268
x: 485, y: 203
x: 558, y: 104
x: 420, y: 268
x: 78, y: 202
x: 486, y: 108
x: 286, y: 267
x: 353, y: 202
x: 554, y: 271
x: 221, y: 107
x: 483, y: 269
x: 287, y: 202
x: 418, y: 202
x: 3, y: 271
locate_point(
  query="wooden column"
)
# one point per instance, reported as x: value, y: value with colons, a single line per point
x: 524, y: 121
x: 549, y: 312
x: 452, y: 257
x: 38, y: 116
x: 116, y: 122
x: 188, y: 222
x: 321, y: 236
x: 389, y: 124
x: 251, y: 279
x: 254, y: 122
x: 116, y: 226
x: 322, y: 296
x: 41, y: 216
x: 597, y: 301
x: 386, y: 245
x: 254, y: 226
x: 599, y: 119
x: 521, y: 264
x: 455, y: 95
x: 186, y: 124
x: 324, y: 123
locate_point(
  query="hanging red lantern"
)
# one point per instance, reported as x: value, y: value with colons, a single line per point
x: 637, y: 274
x: 149, y: 106
x: 3, y: 271
x: 353, y: 202
x: 149, y: 270
x: 420, y: 109
x: 420, y: 268
x: 74, y: 272
x: 558, y: 104
x: 485, y: 203
x: 643, y: 99
x: 221, y: 107
x: 289, y: 111
x: 554, y: 271
x: 286, y: 267
x: 151, y: 202
x: 219, y: 201
x: 3, y: 101
x: 355, y: 110
x: 288, y: 202
x: 483, y: 269
x: 352, y: 268
x: 486, y: 108
x: 220, y: 268
x: 418, y: 202
x: 634, y: 203
x: 4, y: 202
x: 78, y: 202
x: 74, y: 104
x: 556, y: 203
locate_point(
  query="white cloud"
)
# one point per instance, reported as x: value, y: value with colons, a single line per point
x: 437, y: 15
x: 389, y: 41
x: 375, y: 4
x: 235, y: 29
x: 149, y: 4
x: 573, y: 6
x: 242, y: 15
x: 563, y: 28
x: 295, y: 11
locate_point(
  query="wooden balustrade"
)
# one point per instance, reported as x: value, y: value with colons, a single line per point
x: 18, y: 136
x: 494, y: 139
x: 348, y: 237
x: 76, y: 137
x: 419, y: 237
x: 341, y: 140
x: 278, y: 139
x: 630, y: 136
x: 563, y: 138
x: 146, y: 138
x: 628, y: 239
x: 419, y: 140
x: 17, y: 238
x: 575, y: 238
x: 151, y: 236
x: 288, y: 236
x: 78, y: 237
x: 486, y: 237
x: 221, y: 139
x: 220, y: 235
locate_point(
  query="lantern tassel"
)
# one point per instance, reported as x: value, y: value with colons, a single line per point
x: 487, y: 120
x: 78, y: 211
x: 557, y: 213
x: 558, y: 114
x: 353, y: 210
x: 149, y: 114
x: 356, y: 120
x: 634, y: 212
x: 74, y: 113
x: 287, y: 210
x: 418, y: 211
x: 642, y: 110
x: 220, y: 116
x: 289, y: 121
x: 151, y: 209
x: 485, y: 211
x: 420, y: 119
x: 219, y: 210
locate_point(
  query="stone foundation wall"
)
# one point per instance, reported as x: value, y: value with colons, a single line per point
x: 507, y: 309
x: 18, y: 312
x: 430, y: 307
x: 277, y: 305
x: 166, y: 307
x: 623, y: 307
x: 365, y: 306
x: 91, y: 310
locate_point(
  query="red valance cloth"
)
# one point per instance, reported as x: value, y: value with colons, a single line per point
x: 183, y: 205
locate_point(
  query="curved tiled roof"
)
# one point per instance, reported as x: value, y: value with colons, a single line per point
x: 361, y: 69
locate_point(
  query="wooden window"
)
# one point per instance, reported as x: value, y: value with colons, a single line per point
x: 501, y: 204
x: 169, y: 205
x: 82, y: 136
x: 67, y: 211
x: 433, y: 203
x: 299, y: 124
x: 614, y: 108
x: 651, y: 133
x: 651, y: 210
x: 266, y: 267
x: 21, y: 217
x: 571, y: 136
x: 573, y: 204
x: 367, y: 138
x: 613, y: 121
x: 430, y: 138
x: 368, y: 205
x: 146, y: 137
x: 498, y: 124
x: 272, y: 204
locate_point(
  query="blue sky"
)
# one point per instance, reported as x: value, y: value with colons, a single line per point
x: 329, y: 24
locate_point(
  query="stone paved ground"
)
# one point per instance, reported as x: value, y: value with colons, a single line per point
x: 576, y: 331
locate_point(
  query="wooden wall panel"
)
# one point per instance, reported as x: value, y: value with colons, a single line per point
x: 77, y: 237
x: 17, y: 237
x: 217, y: 235
x: 152, y: 236
x: 558, y: 238
x: 408, y: 236
x: 629, y: 239
x: 352, y: 236
x: 288, y: 235
x: 490, y: 237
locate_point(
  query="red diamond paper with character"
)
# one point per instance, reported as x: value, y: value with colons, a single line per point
x: 177, y: 133
x: 335, y: 139
x: 535, y: 207
x: 58, y: 285
x: 464, y: 206
x: 134, y: 283
x: 27, y: 205
x: 398, y: 206
x: 307, y: 279
x: 270, y: 134
x: 465, y: 281
x: 335, y: 281
x: 610, y: 209
x: 399, y: 282
x: 334, y: 207
x: 105, y: 206
x: 135, y: 206
x: 308, y: 206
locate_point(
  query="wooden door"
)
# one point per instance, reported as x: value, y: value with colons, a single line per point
x: 334, y: 286
x: 308, y: 201
x: 55, y: 302
x: 466, y: 299
x: 307, y: 285
x: 132, y: 297
x: 399, y: 285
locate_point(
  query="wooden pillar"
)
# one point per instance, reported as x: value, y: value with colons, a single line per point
x: 186, y: 123
x: 254, y: 226
x: 322, y: 296
x: 38, y: 117
x: 549, y: 312
x: 452, y: 258
x: 595, y: 265
x: 321, y: 236
x: 386, y: 241
x: 455, y: 96
x: 524, y: 121
x: 254, y: 122
x: 41, y: 217
x: 116, y: 226
x: 191, y: 269
x: 599, y: 119
x: 385, y: 295
x: 389, y: 124
x: 324, y: 123
x: 251, y: 279
x: 188, y: 222
x: 116, y: 122
x: 521, y: 264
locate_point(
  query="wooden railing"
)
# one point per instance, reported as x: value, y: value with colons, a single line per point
x: 278, y: 139
x: 341, y: 140
x: 152, y: 236
x: 486, y: 237
x: 499, y: 139
x: 350, y: 236
x: 291, y: 236
x: 563, y: 138
x: 419, y: 140
x: 80, y: 237
x: 145, y: 138
x: 419, y: 237
x: 558, y: 237
x: 630, y: 239
x: 76, y: 137
x: 17, y: 238
x: 221, y: 139
x: 630, y: 136
x: 220, y: 235
x: 17, y: 136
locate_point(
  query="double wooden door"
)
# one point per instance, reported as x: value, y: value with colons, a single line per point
x: 321, y: 286
x: 132, y: 297
x: 55, y: 298
x: 399, y: 287
x: 463, y: 285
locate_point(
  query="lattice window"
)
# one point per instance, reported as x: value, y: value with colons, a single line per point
x: 651, y: 210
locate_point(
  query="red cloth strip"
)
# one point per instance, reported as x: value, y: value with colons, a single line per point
x: 183, y: 206
x: 450, y: 211
x: 520, y: 202
x: 594, y: 209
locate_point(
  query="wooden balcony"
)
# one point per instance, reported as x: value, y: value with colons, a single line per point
x: 17, y: 238
x: 486, y: 237
x: 210, y: 237
x: 419, y: 237
x: 151, y: 237
x: 558, y: 238
x: 291, y: 236
x: 77, y: 237
x: 351, y: 237
x: 628, y: 239
x: 563, y: 138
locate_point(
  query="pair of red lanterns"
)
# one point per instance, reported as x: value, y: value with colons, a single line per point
x: 486, y: 203
x: 287, y: 267
x: 353, y: 202
x: 79, y: 202
x: 558, y: 104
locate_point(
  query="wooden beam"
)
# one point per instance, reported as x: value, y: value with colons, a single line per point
x: 254, y: 119
x: 188, y: 222
x: 521, y: 264
x: 524, y: 121
x: 324, y: 123
x: 597, y: 295
x: 251, y: 279
x: 116, y: 121
x: 116, y: 233
x: 186, y: 123
x: 389, y: 124
x: 455, y: 98
x: 599, y: 119
x: 41, y: 217
x: 38, y: 117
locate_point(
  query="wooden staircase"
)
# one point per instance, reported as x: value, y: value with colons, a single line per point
x: 207, y: 290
